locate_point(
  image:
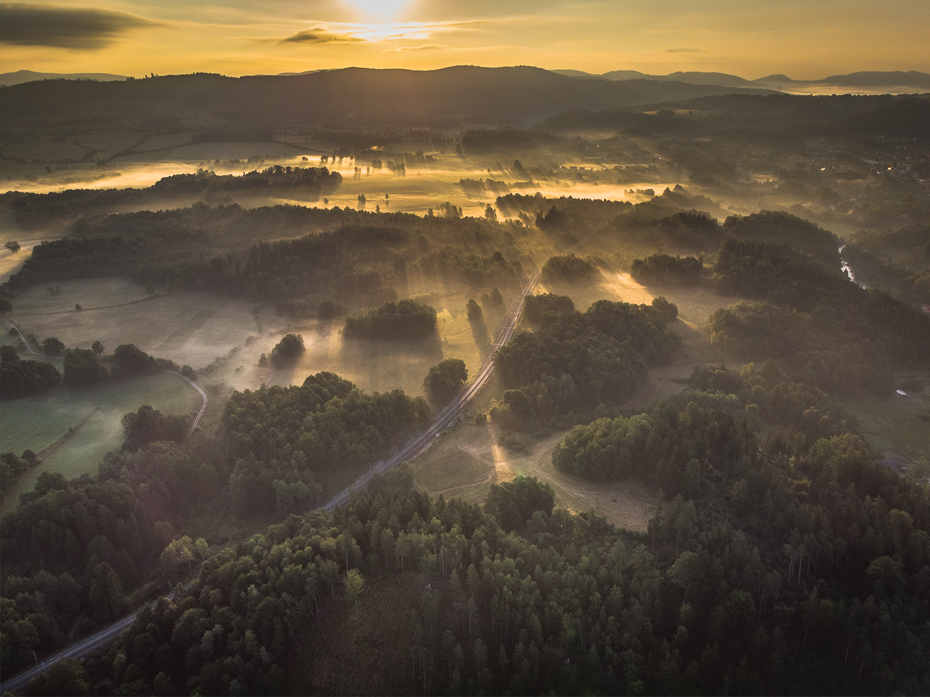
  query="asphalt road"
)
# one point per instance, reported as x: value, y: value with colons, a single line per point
x: 77, y: 651
x: 450, y: 413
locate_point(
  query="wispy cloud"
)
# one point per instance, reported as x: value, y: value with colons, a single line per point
x: 82, y: 28
x: 331, y: 32
x: 685, y: 50
x: 321, y: 36
x: 402, y: 49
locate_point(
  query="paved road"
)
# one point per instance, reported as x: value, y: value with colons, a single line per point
x: 448, y: 414
x: 77, y: 651
x: 451, y: 412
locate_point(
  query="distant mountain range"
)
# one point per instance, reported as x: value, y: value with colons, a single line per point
x: 871, y: 80
x: 449, y: 98
x: 351, y: 97
x: 21, y: 76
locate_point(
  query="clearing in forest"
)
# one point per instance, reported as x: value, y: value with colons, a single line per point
x: 467, y: 459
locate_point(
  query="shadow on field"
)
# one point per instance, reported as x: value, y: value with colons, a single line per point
x: 479, y: 330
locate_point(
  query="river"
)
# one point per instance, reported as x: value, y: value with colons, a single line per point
x: 847, y: 269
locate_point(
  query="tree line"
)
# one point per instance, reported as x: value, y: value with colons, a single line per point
x: 578, y: 361
x: 283, y: 444
x: 35, y: 210
x: 825, y: 329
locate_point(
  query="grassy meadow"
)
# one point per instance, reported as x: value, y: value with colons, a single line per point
x: 72, y: 431
x: 466, y: 460
x: 188, y: 328
x: 889, y: 422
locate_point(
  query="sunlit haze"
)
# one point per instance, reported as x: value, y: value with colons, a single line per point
x: 138, y: 37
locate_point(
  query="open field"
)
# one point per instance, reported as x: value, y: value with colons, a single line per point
x: 467, y: 459
x: 188, y: 328
x: 378, y: 365
x: 36, y: 423
x: 228, y: 336
x: 891, y: 421
x: 164, y: 155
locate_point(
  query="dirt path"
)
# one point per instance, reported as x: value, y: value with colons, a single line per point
x: 28, y: 347
x: 202, y: 394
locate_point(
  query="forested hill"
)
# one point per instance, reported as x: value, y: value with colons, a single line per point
x: 761, y: 116
x: 501, y: 95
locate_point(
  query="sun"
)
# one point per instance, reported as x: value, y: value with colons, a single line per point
x: 379, y: 10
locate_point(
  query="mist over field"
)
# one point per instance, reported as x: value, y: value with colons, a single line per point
x: 465, y: 380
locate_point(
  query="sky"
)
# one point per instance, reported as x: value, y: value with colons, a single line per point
x: 750, y: 38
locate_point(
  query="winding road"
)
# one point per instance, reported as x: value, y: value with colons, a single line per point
x: 203, y: 394
x: 450, y: 413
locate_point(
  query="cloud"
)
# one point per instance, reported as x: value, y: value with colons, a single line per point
x: 333, y: 33
x: 685, y: 50
x: 81, y: 28
x: 424, y: 47
x: 320, y: 36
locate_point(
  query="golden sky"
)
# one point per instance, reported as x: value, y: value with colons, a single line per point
x: 807, y: 39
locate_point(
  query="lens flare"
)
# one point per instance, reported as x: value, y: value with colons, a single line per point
x: 378, y: 9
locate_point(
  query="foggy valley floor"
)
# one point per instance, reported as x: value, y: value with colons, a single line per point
x: 699, y: 466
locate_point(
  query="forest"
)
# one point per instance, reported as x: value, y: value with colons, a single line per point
x: 829, y: 332
x: 578, y: 362
x: 746, y: 421
x: 778, y: 567
x: 406, y: 319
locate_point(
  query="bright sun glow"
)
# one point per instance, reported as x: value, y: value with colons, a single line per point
x: 378, y: 9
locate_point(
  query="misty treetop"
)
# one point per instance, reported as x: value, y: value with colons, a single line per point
x: 11, y: 467
x: 546, y: 308
x: 580, y: 360
x: 34, y: 210
x: 406, y: 319
x: 147, y: 425
x: 444, y: 380
x: 776, y: 272
x: 287, y: 351
x: 665, y: 270
x: 283, y: 441
x: 567, y: 268
x: 473, y: 270
x: 779, y: 226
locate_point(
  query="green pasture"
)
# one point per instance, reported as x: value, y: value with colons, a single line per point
x: 36, y: 423
x: 189, y: 328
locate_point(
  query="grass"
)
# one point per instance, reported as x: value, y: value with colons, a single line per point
x: 466, y: 460
x: 890, y: 421
x: 381, y: 365
x: 188, y: 328
x: 38, y: 422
